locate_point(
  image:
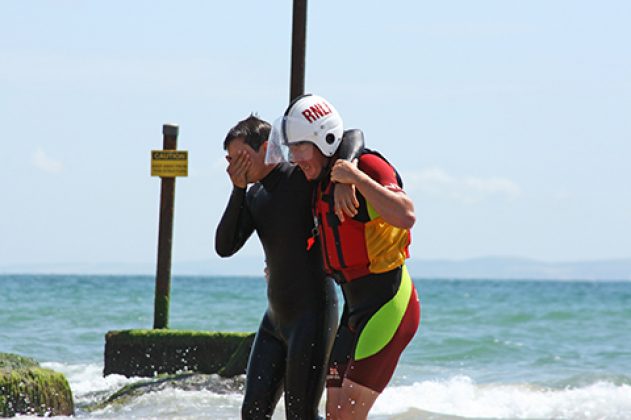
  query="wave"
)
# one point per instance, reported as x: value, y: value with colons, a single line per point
x: 87, y: 382
x: 441, y: 399
x: 460, y: 396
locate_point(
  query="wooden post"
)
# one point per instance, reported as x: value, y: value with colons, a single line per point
x: 298, y: 49
x: 165, y: 236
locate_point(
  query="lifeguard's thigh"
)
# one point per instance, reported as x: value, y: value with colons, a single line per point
x: 373, y: 351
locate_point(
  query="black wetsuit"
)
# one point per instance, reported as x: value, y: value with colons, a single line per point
x: 294, y: 339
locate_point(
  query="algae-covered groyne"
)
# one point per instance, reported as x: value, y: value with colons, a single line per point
x: 28, y: 388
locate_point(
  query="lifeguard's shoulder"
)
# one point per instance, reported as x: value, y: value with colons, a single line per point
x: 377, y: 168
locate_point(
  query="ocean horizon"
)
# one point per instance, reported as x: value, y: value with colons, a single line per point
x: 486, y: 348
x: 482, y: 268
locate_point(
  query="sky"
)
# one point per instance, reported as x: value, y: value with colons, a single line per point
x: 508, y: 120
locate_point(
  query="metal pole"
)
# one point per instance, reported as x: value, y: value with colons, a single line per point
x: 298, y: 48
x: 165, y: 236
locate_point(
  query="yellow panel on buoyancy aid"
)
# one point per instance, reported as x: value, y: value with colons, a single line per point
x: 386, y: 244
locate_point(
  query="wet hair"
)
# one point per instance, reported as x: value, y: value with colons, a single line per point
x: 253, y: 130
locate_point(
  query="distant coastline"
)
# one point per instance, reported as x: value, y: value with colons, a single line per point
x: 505, y: 268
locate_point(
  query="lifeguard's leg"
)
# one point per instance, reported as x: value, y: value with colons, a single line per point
x: 375, y: 351
x: 353, y: 401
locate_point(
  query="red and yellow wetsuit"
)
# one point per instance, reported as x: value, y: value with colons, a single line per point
x: 366, y: 255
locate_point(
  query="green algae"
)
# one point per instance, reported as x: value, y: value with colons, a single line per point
x: 27, y: 388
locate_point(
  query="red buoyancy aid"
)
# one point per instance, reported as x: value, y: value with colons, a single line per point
x: 362, y: 245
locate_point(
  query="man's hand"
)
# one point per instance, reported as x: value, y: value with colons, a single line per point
x: 238, y: 167
x: 345, y: 172
x: 345, y: 200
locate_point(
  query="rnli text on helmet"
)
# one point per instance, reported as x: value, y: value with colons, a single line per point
x: 316, y: 111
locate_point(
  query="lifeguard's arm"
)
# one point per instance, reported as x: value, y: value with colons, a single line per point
x: 236, y: 225
x: 394, y: 206
x: 345, y: 198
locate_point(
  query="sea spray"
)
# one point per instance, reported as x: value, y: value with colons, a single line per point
x: 461, y: 396
x: 458, y: 396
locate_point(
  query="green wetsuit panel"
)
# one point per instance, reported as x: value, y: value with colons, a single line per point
x: 382, y: 326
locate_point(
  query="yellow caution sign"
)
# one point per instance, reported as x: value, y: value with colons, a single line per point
x: 169, y: 163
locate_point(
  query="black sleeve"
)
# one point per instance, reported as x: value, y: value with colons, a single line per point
x: 352, y: 144
x: 236, y: 225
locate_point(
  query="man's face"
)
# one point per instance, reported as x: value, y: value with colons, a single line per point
x: 257, y: 167
x: 309, y: 158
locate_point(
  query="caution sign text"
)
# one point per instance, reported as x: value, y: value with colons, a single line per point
x: 169, y: 163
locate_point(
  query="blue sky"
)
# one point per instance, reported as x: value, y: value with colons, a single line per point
x: 509, y: 120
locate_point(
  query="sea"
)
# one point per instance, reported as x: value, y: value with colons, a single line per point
x: 486, y: 349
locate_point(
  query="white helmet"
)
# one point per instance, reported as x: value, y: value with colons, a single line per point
x: 309, y: 118
x: 313, y: 119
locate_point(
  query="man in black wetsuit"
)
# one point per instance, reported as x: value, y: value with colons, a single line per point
x: 294, y: 339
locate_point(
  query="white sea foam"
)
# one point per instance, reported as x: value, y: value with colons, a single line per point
x: 87, y: 382
x: 461, y: 396
x: 458, y: 396
x: 89, y: 386
x: 177, y: 403
x: 85, y: 378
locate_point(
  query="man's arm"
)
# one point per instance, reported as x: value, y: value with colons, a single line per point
x: 236, y: 225
x: 345, y: 199
x: 392, y: 204
x: 352, y: 144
